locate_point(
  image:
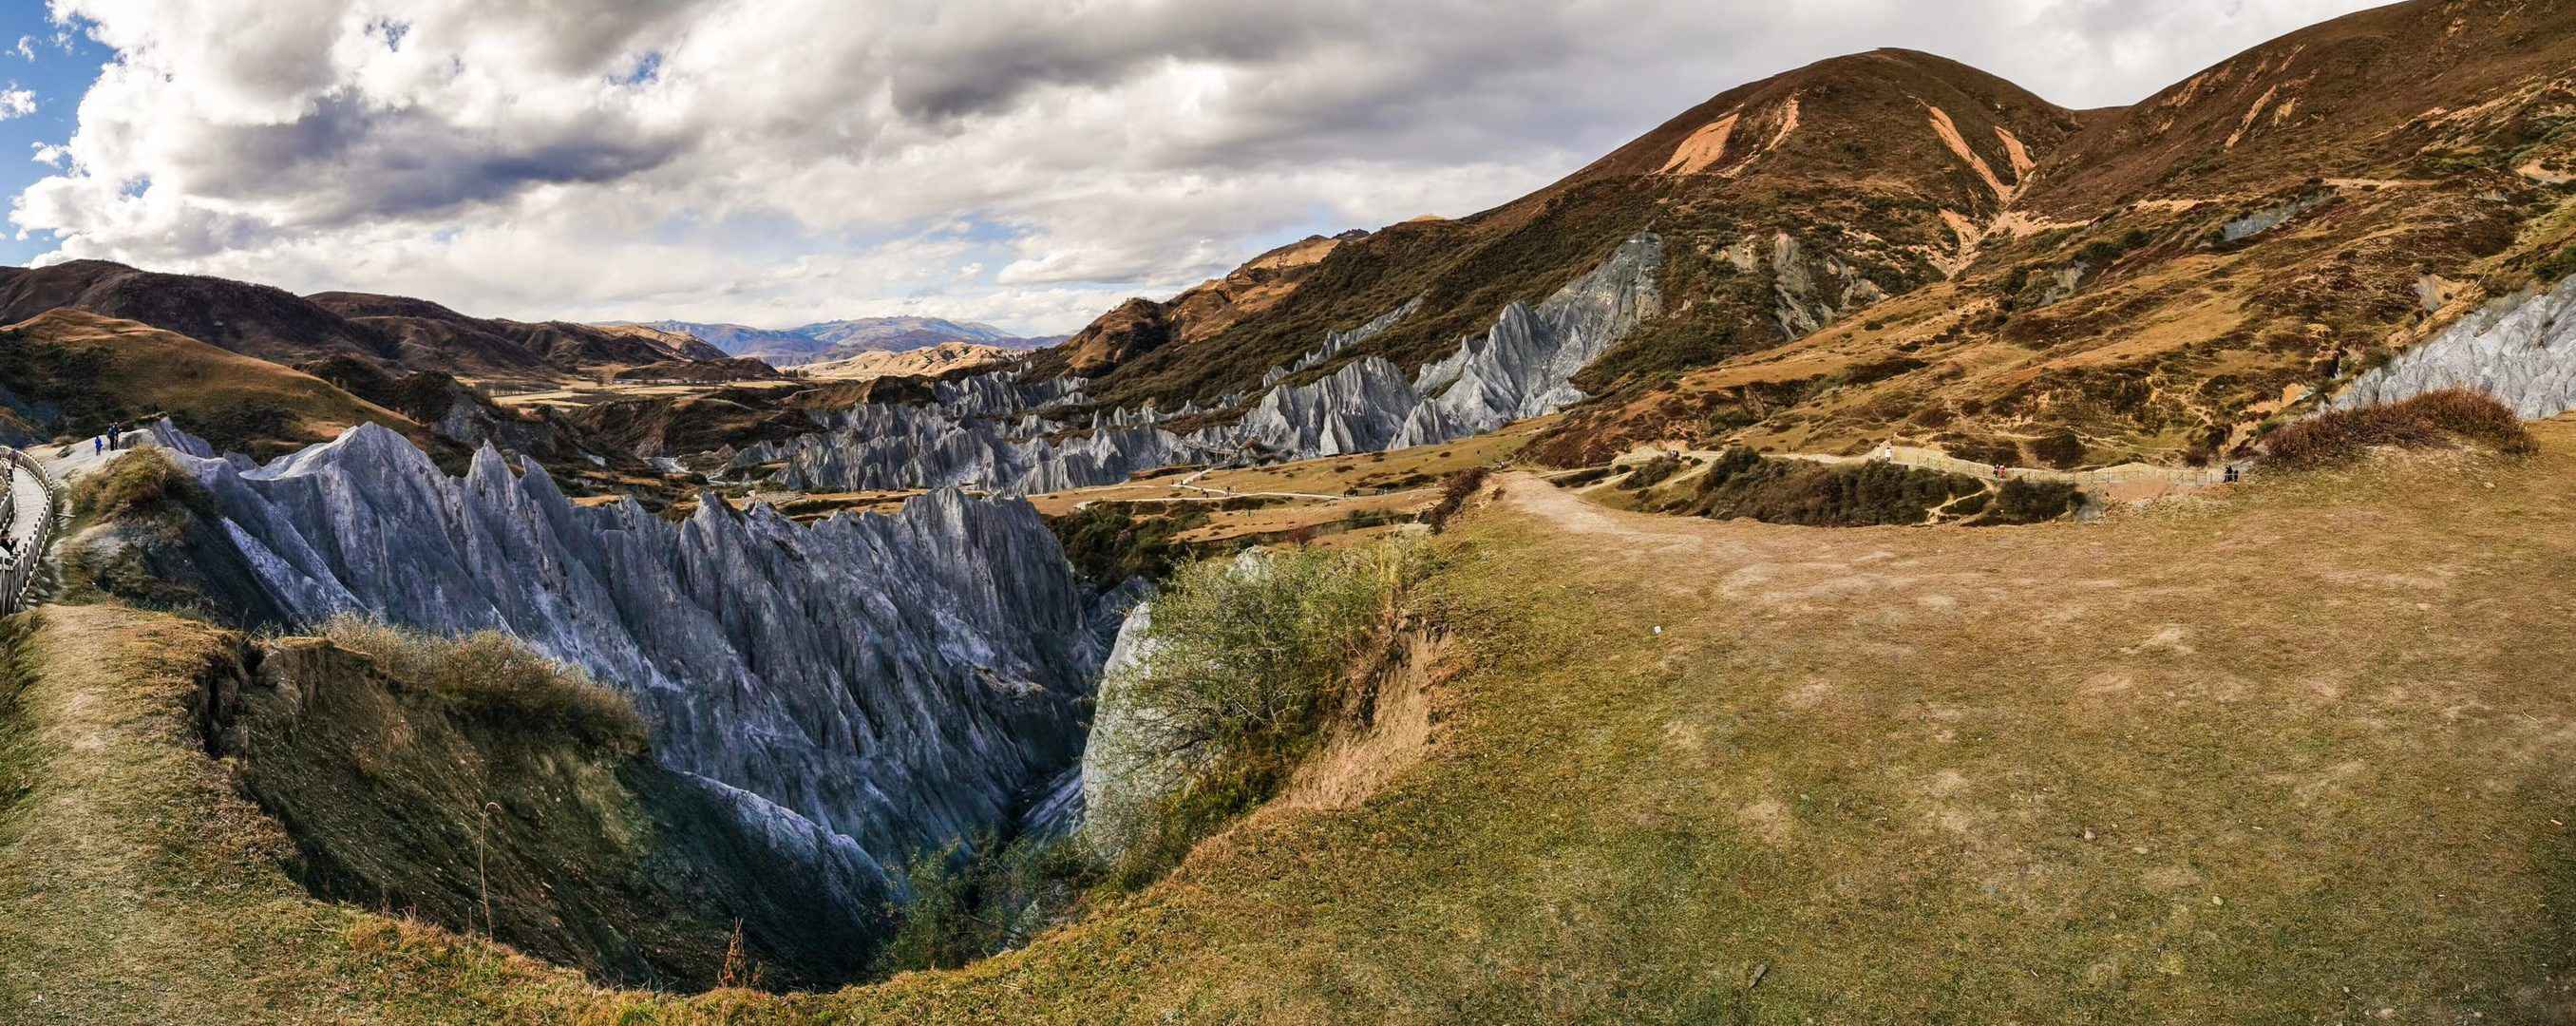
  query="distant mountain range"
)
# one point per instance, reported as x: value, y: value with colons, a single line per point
x: 837, y: 340
x: 391, y: 333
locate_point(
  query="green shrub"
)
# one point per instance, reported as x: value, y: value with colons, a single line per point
x: 1251, y: 661
x: 2558, y: 266
x: 2061, y: 450
x: 497, y: 679
x: 1108, y: 542
x: 975, y: 900
x: 2444, y: 417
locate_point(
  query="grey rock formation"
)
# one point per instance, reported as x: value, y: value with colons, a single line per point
x: 1810, y: 290
x: 1355, y: 409
x: 1002, y: 393
x: 2273, y: 216
x: 858, y: 690
x: 989, y: 431
x: 1524, y: 366
x: 894, y: 447
x: 1122, y: 770
x: 2520, y: 349
x: 1340, y: 342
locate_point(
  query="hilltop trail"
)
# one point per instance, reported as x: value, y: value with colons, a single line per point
x: 1766, y: 564
x: 1665, y: 535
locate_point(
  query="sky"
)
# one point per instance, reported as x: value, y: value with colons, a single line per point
x: 774, y: 162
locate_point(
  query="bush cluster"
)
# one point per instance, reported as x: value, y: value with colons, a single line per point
x: 1744, y: 484
x: 2445, y: 417
x: 1252, y: 660
x: 2024, y: 501
x: 1108, y: 542
x: 973, y: 900
x: 2558, y: 265
x: 1652, y: 472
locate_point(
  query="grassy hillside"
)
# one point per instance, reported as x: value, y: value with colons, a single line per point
x: 2298, y: 752
x: 2181, y: 270
x: 71, y: 373
x: 142, y: 888
x: 1776, y: 199
x: 1891, y: 245
x: 2259, y: 758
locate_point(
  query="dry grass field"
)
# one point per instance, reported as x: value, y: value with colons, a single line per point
x: 2299, y: 750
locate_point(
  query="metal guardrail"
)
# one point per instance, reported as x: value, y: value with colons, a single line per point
x: 21, y: 565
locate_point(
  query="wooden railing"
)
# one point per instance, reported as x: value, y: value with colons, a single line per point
x: 22, y: 564
x: 2095, y: 481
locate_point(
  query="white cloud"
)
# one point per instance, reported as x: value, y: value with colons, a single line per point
x: 16, y: 102
x: 770, y: 161
x: 26, y: 48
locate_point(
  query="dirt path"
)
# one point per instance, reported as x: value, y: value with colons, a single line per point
x: 2250, y: 757
x: 79, y: 852
x: 1651, y: 533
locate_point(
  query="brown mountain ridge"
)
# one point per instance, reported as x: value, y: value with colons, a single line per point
x: 2150, y: 281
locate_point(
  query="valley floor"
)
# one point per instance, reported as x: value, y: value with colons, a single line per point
x: 2300, y: 750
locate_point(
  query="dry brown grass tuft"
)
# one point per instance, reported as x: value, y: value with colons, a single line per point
x: 1454, y: 493
x: 139, y: 483
x: 495, y: 677
x: 2446, y: 417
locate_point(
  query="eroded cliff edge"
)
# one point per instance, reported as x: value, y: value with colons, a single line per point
x: 856, y: 691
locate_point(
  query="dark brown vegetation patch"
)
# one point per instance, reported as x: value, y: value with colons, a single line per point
x: 1744, y: 484
x: 2448, y: 417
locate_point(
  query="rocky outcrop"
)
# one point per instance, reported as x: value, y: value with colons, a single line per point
x: 2520, y: 349
x: 1124, y: 770
x: 990, y: 431
x: 2273, y: 216
x: 856, y: 691
x: 1525, y: 366
x: 1359, y: 408
x: 873, y: 448
x: 1810, y: 290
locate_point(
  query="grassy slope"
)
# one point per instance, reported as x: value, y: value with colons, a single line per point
x: 140, y: 887
x: 2300, y: 753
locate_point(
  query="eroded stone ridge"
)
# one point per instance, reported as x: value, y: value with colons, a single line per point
x: 2520, y: 349
x: 990, y: 435
x: 859, y: 690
